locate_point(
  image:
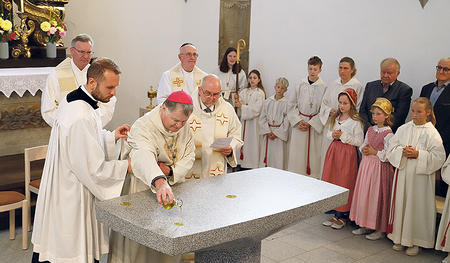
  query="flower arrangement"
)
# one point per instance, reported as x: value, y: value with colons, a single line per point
x: 54, y: 29
x: 6, y: 31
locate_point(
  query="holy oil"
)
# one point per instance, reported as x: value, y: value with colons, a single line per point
x: 176, y: 202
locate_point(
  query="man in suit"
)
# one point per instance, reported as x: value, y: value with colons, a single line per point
x: 389, y: 87
x: 439, y: 94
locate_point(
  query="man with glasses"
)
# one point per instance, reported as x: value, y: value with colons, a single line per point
x: 69, y: 75
x: 213, y: 118
x: 439, y: 94
x: 389, y: 87
x: 183, y: 76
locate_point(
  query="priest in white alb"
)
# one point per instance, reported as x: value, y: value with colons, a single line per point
x: 213, y: 118
x: 161, y: 147
x: 69, y: 75
x: 183, y: 76
x: 79, y: 170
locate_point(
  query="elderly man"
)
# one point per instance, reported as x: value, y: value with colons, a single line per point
x: 213, y: 118
x: 69, y: 75
x: 397, y: 92
x: 183, y: 76
x: 162, y: 150
x: 79, y: 169
x: 439, y: 94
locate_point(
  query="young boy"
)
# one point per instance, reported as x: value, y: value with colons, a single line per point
x: 306, y: 139
x: 274, y: 126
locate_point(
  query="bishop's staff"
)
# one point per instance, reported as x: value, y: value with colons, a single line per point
x: 240, y: 45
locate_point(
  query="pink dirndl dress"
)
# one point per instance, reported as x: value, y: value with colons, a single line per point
x: 371, y: 200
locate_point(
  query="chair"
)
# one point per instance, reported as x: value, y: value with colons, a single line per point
x: 32, y: 154
x: 440, y: 202
x: 10, y: 201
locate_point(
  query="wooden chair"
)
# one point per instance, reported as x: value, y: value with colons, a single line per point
x: 440, y: 201
x: 32, y: 154
x: 10, y: 201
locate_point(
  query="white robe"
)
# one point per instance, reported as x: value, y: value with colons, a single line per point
x: 330, y: 101
x: 445, y: 218
x: 413, y: 210
x: 252, y: 100
x: 52, y: 96
x: 79, y: 170
x: 228, y: 83
x: 149, y: 142
x: 189, y: 80
x: 301, y: 99
x: 220, y: 123
x: 273, y: 119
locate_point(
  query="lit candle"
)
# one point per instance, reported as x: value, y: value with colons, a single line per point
x: 21, y: 6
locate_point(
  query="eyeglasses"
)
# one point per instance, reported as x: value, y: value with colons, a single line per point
x: 189, y: 54
x: 89, y: 53
x: 209, y: 94
x: 439, y: 68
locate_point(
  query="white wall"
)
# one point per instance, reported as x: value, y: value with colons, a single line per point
x: 285, y: 33
x: 143, y: 37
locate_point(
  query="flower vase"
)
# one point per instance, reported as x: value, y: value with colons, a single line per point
x: 51, y: 50
x: 4, y: 50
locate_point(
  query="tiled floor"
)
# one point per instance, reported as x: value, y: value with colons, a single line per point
x: 307, y: 241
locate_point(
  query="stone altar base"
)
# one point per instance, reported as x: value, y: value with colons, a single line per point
x: 218, y: 228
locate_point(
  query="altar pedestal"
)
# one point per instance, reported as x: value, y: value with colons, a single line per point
x: 215, y: 226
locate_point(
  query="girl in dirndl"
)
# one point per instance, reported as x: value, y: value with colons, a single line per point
x: 371, y: 200
x: 341, y: 160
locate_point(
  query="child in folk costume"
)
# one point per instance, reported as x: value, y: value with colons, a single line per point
x: 250, y: 101
x: 274, y: 127
x: 341, y: 161
x: 443, y: 237
x: 372, y: 196
x: 417, y: 152
x: 306, y: 136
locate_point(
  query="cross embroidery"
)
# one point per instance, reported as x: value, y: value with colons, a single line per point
x: 216, y: 171
x: 310, y: 105
x: 195, y: 125
x: 178, y: 81
x: 222, y: 118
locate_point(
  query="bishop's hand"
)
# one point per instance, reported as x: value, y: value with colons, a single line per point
x: 162, y: 191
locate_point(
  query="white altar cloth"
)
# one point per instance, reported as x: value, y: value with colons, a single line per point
x: 20, y: 80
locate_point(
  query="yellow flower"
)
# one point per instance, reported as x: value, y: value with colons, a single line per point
x: 6, y: 25
x: 60, y: 28
x: 53, y: 22
x: 45, y: 26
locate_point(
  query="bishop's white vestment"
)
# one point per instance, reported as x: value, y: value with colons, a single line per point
x: 273, y: 119
x: 330, y: 101
x: 413, y: 207
x: 65, y: 78
x: 222, y: 122
x: 252, y: 100
x: 305, y: 146
x: 79, y: 170
x: 149, y: 142
x: 176, y: 79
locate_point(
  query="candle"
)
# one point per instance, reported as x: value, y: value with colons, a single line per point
x: 21, y: 6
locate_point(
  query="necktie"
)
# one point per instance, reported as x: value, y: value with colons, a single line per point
x: 207, y: 110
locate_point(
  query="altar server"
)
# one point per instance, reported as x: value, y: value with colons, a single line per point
x: 79, y: 170
x: 161, y: 146
x: 69, y: 75
x: 213, y: 118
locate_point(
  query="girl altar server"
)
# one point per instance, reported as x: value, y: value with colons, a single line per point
x: 346, y: 131
x: 443, y: 237
x: 274, y: 128
x: 347, y: 79
x: 306, y: 136
x: 417, y: 152
x: 371, y: 200
x: 250, y: 101
x: 227, y: 71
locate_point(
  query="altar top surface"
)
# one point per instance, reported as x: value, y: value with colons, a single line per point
x: 267, y: 200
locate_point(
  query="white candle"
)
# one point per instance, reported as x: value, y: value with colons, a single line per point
x: 21, y: 6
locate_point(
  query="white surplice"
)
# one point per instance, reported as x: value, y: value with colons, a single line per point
x: 79, y: 170
x: 304, y: 105
x: 149, y: 142
x: 413, y: 208
x: 252, y: 100
x: 273, y: 119
x: 330, y: 101
x: 444, y: 229
x: 228, y: 83
x: 222, y: 122
x: 52, y: 94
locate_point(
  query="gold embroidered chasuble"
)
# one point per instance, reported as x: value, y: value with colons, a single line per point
x: 178, y: 81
